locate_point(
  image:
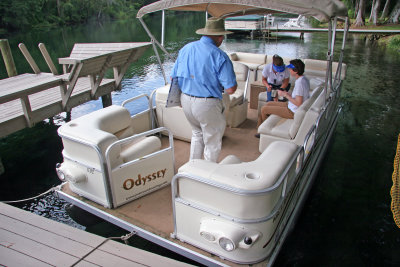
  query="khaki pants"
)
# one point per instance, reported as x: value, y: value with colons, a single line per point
x: 206, y: 117
x: 278, y: 108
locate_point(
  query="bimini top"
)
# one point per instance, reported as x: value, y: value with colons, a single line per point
x: 322, y: 10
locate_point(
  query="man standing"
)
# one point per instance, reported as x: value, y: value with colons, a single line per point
x: 204, y: 71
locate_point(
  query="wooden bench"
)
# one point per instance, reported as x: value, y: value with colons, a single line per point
x: 30, y: 98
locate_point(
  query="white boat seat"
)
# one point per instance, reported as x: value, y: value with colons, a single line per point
x: 314, y: 83
x: 104, y: 127
x: 294, y: 130
x: 259, y: 174
x: 315, y: 67
x: 252, y: 61
x: 175, y: 120
x: 104, y: 153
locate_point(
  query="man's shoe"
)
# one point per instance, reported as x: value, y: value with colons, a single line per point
x: 257, y: 135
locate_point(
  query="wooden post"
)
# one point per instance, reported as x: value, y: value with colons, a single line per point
x: 7, y: 57
x: 106, y: 100
x: 1, y: 167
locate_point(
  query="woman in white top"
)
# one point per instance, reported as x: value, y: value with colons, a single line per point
x: 301, y: 93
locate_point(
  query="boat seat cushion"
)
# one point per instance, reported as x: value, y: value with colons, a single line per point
x: 142, y: 147
x: 113, y: 119
x: 251, y: 60
x: 240, y: 70
x: 315, y: 67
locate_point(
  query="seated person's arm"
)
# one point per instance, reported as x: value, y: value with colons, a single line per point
x: 298, y: 100
x: 231, y: 90
x: 285, y: 83
x: 265, y: 82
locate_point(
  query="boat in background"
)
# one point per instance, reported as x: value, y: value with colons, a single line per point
x: 133, y: 172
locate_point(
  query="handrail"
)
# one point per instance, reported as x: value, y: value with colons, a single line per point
x: 136, y: 136
x: 154, y: 121
x: 150, y: 107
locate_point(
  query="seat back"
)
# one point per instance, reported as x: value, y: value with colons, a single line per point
x: 248, y: 58
x: 301, y: 111
x: 315, y: 67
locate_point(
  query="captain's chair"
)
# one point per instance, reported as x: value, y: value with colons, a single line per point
x: 107, y: 162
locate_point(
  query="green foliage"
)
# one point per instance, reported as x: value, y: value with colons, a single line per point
x: 394, y: 43
x: 25, y: 14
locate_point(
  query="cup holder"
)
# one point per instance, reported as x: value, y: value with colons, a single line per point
x: 252, y: 176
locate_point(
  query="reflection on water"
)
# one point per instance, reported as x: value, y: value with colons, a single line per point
x: 346, y: 219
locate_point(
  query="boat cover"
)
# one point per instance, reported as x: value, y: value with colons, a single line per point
x: 322, y: 10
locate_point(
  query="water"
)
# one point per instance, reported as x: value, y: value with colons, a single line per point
x: 346, y: 219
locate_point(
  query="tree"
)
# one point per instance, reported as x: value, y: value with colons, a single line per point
x: 375, y: 11
x: 385, y: 11
x: 360, y: 20
x: 394, y: 15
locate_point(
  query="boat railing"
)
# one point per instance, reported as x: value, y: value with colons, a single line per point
x: 136, y: 137
x: 149, y: 109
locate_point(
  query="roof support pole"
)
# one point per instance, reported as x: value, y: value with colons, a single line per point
x: 155, y: 42
x: 339, y: 68
x: 163, y: 27
x: 333, y: 40
x: 328, y: 58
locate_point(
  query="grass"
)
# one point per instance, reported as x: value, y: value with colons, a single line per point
x: 392, y: 42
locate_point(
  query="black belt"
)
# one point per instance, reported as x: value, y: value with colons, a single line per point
x: 200, y: 96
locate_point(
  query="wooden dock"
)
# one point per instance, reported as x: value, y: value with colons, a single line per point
x: 27, y: 239
x: 268, y: 30
x: 32, y: 97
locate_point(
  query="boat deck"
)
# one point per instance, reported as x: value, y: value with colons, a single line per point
x: 27, y: 239
x: 153, y: 212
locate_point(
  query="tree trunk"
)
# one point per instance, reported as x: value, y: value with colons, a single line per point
x: 394, y: 15
x: 357, y: 4
x: 59, y: 9
x: 376, y: 11
x: 372, y: 11
x: 385, y: 10
x: 360, y: 20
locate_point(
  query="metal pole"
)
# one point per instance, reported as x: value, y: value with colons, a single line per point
x: 163, y: 27
x: 153, y: 38
x: 8, y: 58
x: 339, y: 67
x: 159, y: 62
x: 154, y: 42
x: 328, y: 57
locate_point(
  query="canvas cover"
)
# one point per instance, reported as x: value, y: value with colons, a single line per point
x: 322, y: 10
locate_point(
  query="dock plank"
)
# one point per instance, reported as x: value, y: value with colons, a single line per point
x: 11, y: 257
x: 29, y: 239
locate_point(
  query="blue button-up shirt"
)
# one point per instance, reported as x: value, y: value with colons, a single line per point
x: 203, y: 70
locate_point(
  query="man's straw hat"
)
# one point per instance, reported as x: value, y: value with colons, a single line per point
x: 214, y: 26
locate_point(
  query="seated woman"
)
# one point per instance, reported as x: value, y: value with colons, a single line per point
x: 301, y: 93
x: 275, y: 76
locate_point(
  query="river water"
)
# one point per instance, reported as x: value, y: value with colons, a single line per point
x: 346, y: 220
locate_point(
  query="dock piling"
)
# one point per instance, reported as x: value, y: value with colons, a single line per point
x: 8, y: 58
